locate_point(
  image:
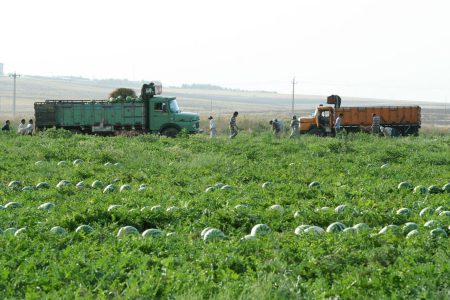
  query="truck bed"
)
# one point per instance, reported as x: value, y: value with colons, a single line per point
x: 390, y: 115
x: 405, y: 119
x: 83, y: 113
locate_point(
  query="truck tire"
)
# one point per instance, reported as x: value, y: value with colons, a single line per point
x: 76, y: 131
x: 170, y: 132
x: 316, y: 131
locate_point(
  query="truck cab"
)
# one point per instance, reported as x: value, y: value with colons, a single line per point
x: 321, y: 123
x: 166, y: 117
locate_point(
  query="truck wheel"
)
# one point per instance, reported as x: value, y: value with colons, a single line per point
x: 170, y: 132
x: 76, y: 131
x: 316, y: 131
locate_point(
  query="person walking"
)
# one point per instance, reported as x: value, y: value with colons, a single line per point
x: 6, y: 127
x: 376, y: 124
x: 294, y: 127
x: 337, y: 124
x: 22, y: 128
x: 276, y: 127
x: 233, y: 125
x: 212, y: 127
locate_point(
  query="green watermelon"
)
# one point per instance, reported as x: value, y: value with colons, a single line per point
x: 434, y: 189
x: 408, y: 227
x: 152, y: 232
x: 127, y: 230
x: 405, y: 185
x: 260, y: 229
x: 446, y: 188
x: 438, y: 232
x: 336, y: 227
x: 300, y: 229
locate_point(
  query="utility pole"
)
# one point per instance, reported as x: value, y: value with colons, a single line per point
x: 293, y: 93
x: 14, y: 97
x: 445, y: 105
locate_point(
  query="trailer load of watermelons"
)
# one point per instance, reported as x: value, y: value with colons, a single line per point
x: 127, y: 99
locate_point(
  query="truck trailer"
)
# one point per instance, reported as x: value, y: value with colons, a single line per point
x: 150, y: 113
x: 405, y: 120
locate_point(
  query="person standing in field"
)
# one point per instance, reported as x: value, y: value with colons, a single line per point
x: 212, y: 127
x: 6, y: 127
x: 337, y: 124
x: 22, y: 128
x: 294, y: 127
x: 376, y: 124
x: 233, y: 125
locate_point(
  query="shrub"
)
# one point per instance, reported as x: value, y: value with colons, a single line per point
x: 123, y: 92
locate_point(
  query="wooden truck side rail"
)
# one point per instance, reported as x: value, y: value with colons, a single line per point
x: 405, y: 119
x: 89, y: 115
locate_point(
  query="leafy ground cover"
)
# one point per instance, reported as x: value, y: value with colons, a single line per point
x: 169, y: 181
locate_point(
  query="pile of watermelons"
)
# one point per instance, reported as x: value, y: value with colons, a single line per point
x: 123, y: 95
x: 127, y: 99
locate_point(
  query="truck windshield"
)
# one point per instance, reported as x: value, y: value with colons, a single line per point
x: 173, y: 105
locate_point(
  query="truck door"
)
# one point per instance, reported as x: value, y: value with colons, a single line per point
x: 159, y: 114
x: 329, y: 120
x: 325, y: 120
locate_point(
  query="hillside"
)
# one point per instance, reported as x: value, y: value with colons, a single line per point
x: 191, y: 98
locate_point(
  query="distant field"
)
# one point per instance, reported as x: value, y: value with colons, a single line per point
x: 218, y: 102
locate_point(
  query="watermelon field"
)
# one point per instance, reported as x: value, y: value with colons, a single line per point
x: 256, y: 217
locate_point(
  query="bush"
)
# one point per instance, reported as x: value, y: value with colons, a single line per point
x: 55, y: 133
x: 123, y: 92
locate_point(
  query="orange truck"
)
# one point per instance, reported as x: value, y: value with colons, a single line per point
x: 400, y: 120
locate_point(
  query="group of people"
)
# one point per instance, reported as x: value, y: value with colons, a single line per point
x: 23, y: 128
x: 277, y: 126
x: 233, y: 126
x: 375, y: 128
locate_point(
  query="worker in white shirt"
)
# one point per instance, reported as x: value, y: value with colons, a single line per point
x: 212, y: 127
x: 337, y: 124
x: 22, y: 128
x: 29, y: 128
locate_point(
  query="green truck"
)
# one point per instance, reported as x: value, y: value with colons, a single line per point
x: 150, y: 113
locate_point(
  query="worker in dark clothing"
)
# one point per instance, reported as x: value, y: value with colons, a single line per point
x: 6, y: 127
x: 145, y: 87
x: 376, y: 121
x: 322, y: 121
x: 295, y: 127
x: 276, y: 127
x: 233, y: 126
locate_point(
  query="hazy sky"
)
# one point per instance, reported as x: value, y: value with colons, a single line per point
x: 368, y: 48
